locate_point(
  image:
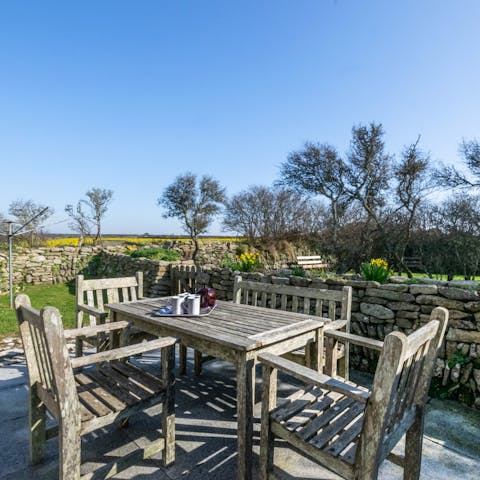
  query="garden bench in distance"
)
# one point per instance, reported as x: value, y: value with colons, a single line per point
x: 346, y: 428
x: 311, y: 261
x: 83, y: 400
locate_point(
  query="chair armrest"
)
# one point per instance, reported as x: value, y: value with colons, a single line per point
x: 123, y: 352
x: 312, y: 377
x: 335, y: 325
x: 96, y: 312
x: 355, y: 339
x: 93, y: 330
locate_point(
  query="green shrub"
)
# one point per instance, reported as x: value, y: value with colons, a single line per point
x: 376, y: 270
x: 156, y: 254
x: 245, y: 262
x: 298, y: 272
x: 229, y: 262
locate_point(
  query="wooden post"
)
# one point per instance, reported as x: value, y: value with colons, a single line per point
x: 244, y: 418
x: 269, y: 402
x: 139, y: 277
x: 168, y: 411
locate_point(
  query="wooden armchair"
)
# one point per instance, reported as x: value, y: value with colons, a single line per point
x: 335, y: 305
x: 348, y: 429
x: 91, y: 295
x: 83, y: 400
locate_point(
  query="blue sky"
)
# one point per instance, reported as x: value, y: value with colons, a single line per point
x: 126, y: 95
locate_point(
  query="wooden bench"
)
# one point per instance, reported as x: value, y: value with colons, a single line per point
x: 84, y: 400
x: 311, y: 261
x: 414, y: 263
x: 344, y: 427
x: 335, y: 305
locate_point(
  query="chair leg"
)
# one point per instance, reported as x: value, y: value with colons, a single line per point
x: 38, y: 418
x: 182, y: 353
x: 198, y: 363
x: 168, y: 410
x: 70, y: 451
x: 413, y: 448
x: 267, y: 439
x: 78, y: 347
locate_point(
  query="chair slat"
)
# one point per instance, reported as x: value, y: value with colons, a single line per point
x: 306, y: 305
x: 348, y: 436
x: 112, y: 295
x: 295, y: 304
x: 337, y: 426
x: 99, y: 295
x: 86, y: 382
x: 327, y: 416
x: 147, y: 382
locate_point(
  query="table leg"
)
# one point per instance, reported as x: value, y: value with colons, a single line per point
x: 245, y: 418
x: 314, y: 352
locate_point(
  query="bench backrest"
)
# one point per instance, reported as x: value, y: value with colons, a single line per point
x: 96, y: 292
x: 400, y: 388
x: 183, y: 278
x: 334, y: 304
x: 311, y: 261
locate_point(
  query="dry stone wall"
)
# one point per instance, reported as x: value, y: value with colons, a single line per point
x: 43, y: 266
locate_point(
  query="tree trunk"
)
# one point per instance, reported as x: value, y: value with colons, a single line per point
x: 195, y: 249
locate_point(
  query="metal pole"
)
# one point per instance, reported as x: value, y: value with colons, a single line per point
x: 10, y: 262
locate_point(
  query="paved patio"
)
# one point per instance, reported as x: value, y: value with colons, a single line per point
x: 206, y: 434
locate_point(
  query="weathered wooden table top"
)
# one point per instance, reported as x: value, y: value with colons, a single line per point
x: 241, y: 327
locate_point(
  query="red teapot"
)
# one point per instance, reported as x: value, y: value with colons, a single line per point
x: 208, y: 297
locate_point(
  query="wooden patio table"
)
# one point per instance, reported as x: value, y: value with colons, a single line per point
x: 236, y: 333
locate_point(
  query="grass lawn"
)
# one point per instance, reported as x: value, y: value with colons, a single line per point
x: 59, y: 296
x: 441, y: 277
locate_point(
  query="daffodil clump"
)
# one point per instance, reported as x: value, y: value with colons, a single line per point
x: 245, y: 262
x: 67, y: 242
x: 248, y: 261
x: 377, y: 269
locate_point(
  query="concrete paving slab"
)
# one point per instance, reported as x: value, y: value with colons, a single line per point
x: 206, y: 435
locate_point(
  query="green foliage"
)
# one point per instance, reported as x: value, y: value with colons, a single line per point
x: 457, y: 392
x: 229, y: 262
x: 245, y: 262
x: 376, y: 270
x: 458, y: 358
x: 156, y: 254
x: 60, y: 296
x: 298, y: 272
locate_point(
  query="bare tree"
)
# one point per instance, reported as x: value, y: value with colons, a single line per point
x: 3, y: 224
x: 414, y: 182
x: 194, y: 203
x: 81, y: 222
x: 24, y: 210
x: 451, y: 177
x: 265, y: 213
x: 369, y: 169
x: 318, y: 169
x: 458, y: 221
x: 84, y: 222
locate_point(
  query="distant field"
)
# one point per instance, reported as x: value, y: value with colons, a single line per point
x: 129, y: 240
